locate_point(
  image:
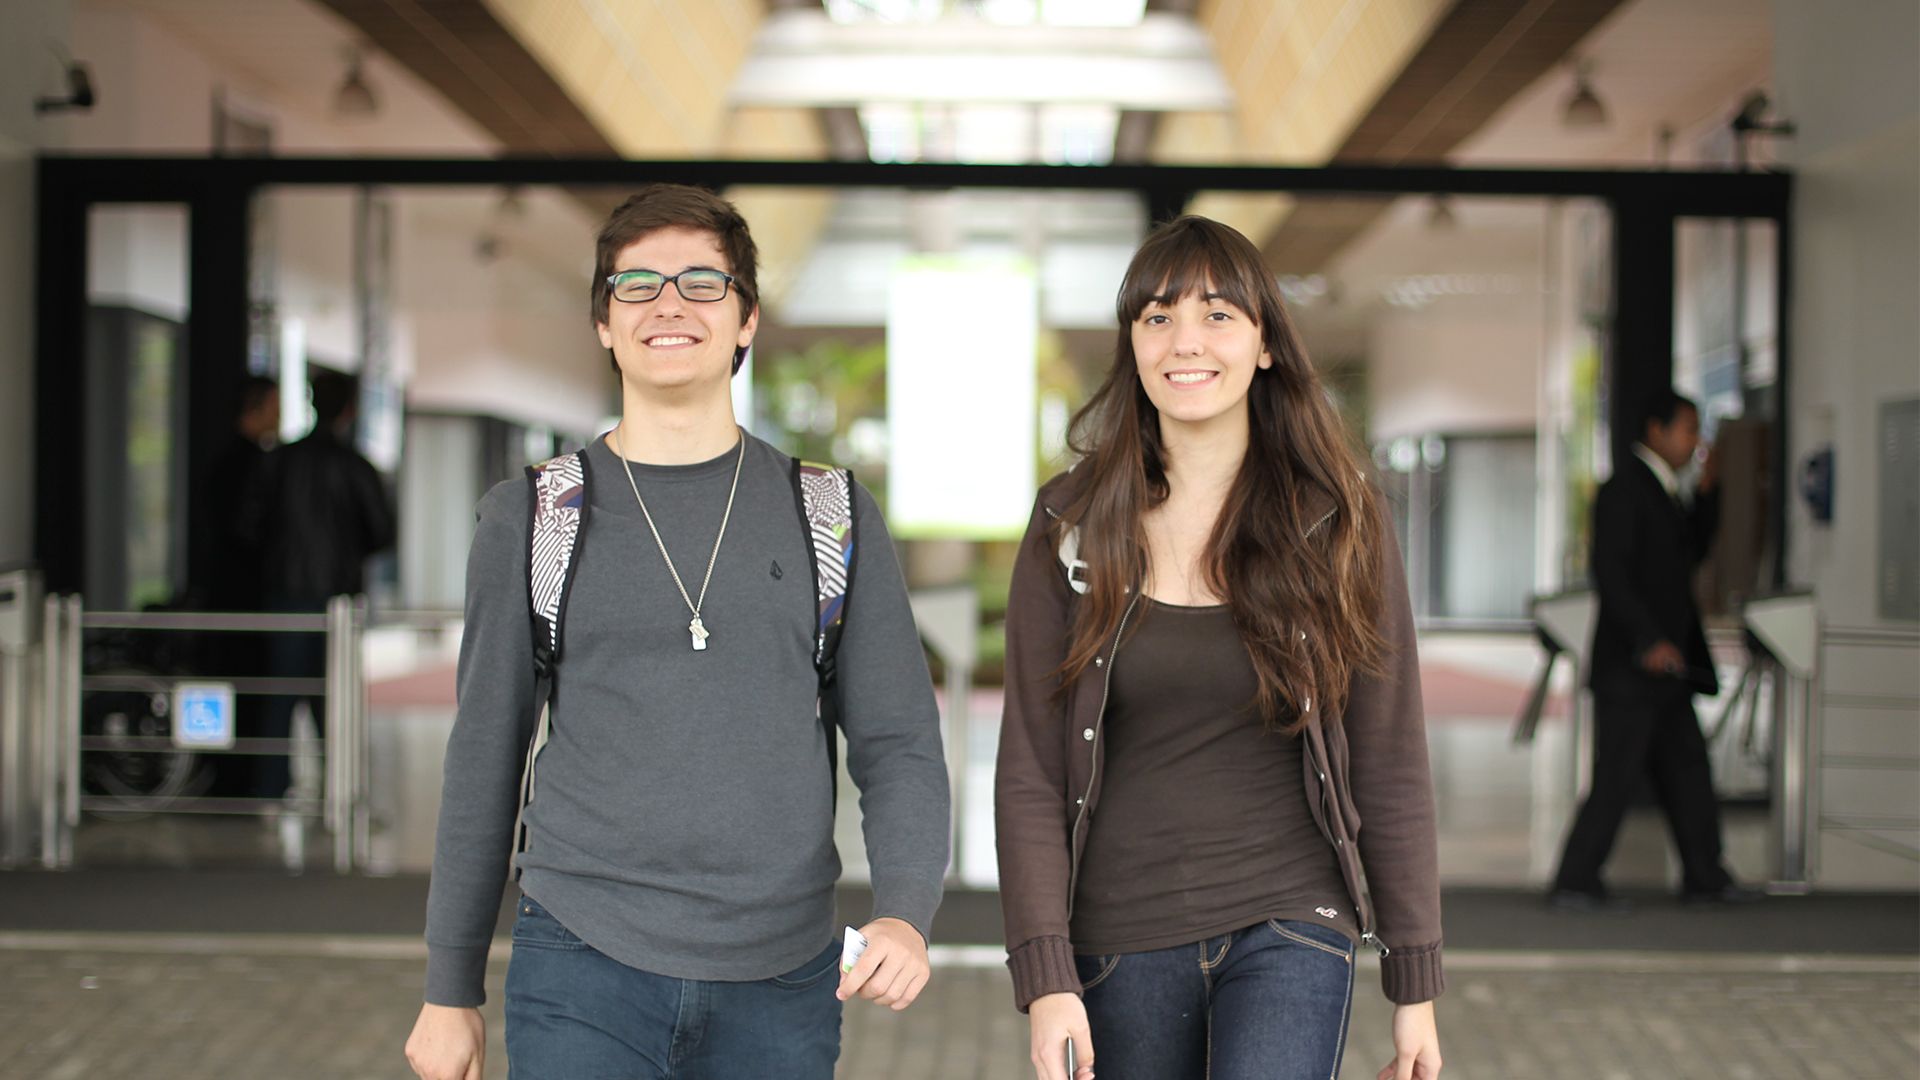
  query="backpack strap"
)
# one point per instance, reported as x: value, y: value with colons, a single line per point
x: 823, y: 495
x: 1070, y: 559
x: 556, y: 519
x: 556, y: 515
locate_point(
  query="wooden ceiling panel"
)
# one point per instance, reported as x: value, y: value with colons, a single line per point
x: 460, y: 49
x: 1481, y: 55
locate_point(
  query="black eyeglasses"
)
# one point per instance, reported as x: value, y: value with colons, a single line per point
x: 699, y: 286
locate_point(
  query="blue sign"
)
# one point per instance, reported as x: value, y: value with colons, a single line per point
x: 203, y: 715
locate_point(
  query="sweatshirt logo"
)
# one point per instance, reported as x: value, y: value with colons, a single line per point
x: 777, y: 575
x: 1325, y: 912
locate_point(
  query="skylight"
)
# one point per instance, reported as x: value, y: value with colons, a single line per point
x: 893, y: 51
x: 998, y: 12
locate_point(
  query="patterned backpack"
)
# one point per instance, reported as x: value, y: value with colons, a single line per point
x: 561, y: 491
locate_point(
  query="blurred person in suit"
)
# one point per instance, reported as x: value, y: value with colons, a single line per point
x: 232, y: 577
x: 1651, y: 528
x: 229, y: 571
x: 315, y: 510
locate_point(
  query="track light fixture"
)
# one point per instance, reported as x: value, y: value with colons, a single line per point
x: 79, y: 86
x: 354, y: 100
x: 1584, y: 112
x: 1750, y: 121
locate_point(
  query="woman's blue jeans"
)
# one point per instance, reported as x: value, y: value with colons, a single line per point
x: 1269, y: 1002
x: 574, y: 1013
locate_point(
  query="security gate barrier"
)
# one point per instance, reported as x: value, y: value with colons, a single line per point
x: 41, y: 755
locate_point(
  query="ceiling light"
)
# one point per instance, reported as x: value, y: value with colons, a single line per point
x: 885, y: 11
x: 1752, y: 118
x: 79, y: 85
x: 1584, y: 112
x: 1092, y: 12
x: 513, y: 203
x: 355, y: 99
x: 804, y: 59
x: 1010, y: 12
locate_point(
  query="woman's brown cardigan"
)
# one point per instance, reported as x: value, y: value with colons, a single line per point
x: 1368, y: 764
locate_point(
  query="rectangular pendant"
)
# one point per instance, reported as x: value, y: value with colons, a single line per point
x: 699, y: 633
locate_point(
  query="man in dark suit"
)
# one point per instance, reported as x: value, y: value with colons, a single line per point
x: 315, y: 510
x: 1649, y: 658
x: 232, y: 576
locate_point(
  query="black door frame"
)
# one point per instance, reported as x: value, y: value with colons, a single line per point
x: 219, y: 193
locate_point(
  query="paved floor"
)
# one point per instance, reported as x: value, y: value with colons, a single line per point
x: 171, y: 1007
x: 240, y: 974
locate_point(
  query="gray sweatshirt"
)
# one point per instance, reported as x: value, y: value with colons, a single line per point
x: 682, y: 816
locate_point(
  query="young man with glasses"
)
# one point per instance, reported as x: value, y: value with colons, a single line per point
x: 677, y: 862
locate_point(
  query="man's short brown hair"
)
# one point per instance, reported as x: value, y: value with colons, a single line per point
x: 677, y: 206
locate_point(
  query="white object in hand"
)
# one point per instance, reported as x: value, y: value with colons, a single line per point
x: 856, y: 944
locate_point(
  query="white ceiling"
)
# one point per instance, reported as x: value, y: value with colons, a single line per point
x: 284, y: 58
x: 1682, y: 63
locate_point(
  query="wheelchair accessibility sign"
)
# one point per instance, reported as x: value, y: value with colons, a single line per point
x: 203, y: 715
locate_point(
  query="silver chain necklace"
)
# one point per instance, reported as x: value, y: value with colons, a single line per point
x: 696, y: 627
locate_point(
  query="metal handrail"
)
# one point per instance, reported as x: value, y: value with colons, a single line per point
x: 344, y: 803
x: 205, y: 620
x: 419, y: 617
x: 1869, y: 635
x: 19, y: 642
x: 242, y: 684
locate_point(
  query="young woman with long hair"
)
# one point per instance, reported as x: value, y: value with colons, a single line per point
x: 1212, y: 687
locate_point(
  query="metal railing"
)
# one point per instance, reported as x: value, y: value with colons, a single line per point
x: 42, y: 741
x: 19, y: 700
x: 1787, y: 646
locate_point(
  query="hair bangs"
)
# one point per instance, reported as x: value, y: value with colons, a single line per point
x: 1190, y: 262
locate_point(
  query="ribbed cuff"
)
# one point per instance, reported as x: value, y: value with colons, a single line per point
x: 1040, y: 967
x: 457, y: 975
x: 1412, y: 974
x: 911, y: 898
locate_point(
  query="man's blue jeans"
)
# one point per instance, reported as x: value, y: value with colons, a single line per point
x: 1269, y: 1002
x: 575, y: 1014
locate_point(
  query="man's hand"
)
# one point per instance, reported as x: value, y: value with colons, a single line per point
x: 893, y: 969
x: 1709, y: 470
x: 1053, y: 1019
x: 1416, y: 1044
x: 1664, y: 659
x: 447, y: 1043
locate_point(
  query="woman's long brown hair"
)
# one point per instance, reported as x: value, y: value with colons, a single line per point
x: 1304, y: 591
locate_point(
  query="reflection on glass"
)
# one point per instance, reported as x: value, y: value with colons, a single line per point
x: 150, y: 486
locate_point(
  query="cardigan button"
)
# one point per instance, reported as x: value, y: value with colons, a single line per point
x: 1080, y: 801
x: 1099, y: 661
x: 1087, y: 734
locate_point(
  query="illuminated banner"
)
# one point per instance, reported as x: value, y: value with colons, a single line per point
x: 961, y: 334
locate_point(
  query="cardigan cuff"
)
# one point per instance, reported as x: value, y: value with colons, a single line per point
x: 1412, y: 974
x: 457, y: 975
x: 1040, y: 967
